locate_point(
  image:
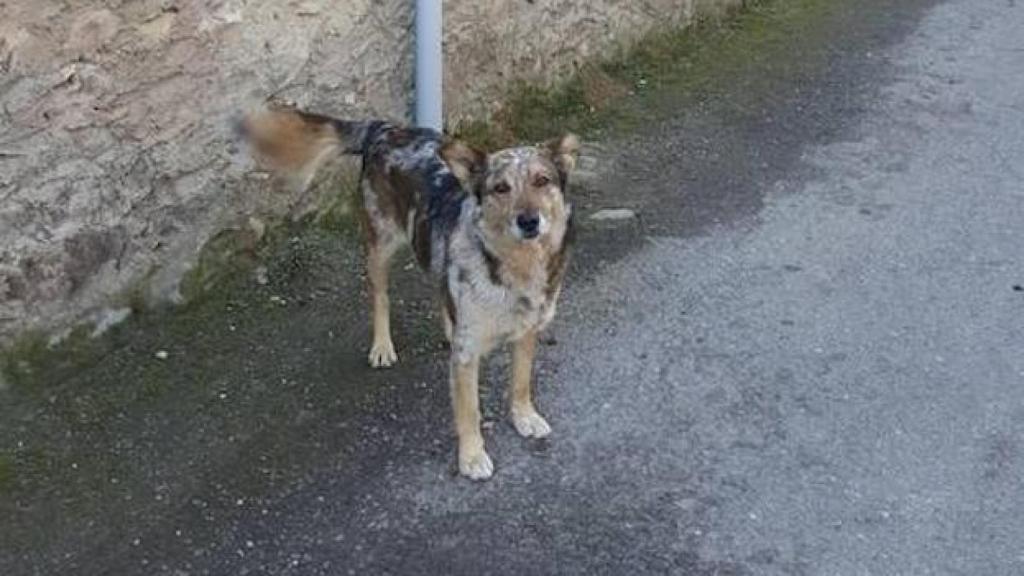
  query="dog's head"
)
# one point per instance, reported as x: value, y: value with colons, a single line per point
x: 521, y: 191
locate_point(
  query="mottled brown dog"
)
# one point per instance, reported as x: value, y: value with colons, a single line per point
x: 493, y: 229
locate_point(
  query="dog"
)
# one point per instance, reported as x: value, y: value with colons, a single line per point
x: 494, y: 230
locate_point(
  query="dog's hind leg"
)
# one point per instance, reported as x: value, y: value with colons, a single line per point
x: 525, y: 418
x: 446, y: 324
x: 383, y: 238
x: 382, y: 351
x: 446, y: 308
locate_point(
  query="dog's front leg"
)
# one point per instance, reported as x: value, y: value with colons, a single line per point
x: 524, y: 416
x: 473, y: 459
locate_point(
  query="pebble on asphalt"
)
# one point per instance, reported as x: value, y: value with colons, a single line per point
x: 613, y: 214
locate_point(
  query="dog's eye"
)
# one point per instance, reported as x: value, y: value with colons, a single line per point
x: 501, y: 188
x: 541, y: 181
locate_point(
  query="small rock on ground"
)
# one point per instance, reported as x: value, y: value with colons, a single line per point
x: 613, y: 214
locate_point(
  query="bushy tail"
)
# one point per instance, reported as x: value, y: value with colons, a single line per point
x: 296, y: 143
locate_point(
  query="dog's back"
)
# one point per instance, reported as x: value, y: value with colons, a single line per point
x: 408, y: 190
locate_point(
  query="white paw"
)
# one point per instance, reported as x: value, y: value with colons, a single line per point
x: 476, y: 466
x: 382, y: 355
x: 530, y: 424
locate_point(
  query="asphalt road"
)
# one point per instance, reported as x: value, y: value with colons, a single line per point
x: 805, y: 357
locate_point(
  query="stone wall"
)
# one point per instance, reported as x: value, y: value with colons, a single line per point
x: 116, y: 156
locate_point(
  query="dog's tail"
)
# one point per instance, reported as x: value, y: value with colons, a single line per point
x: 296, y: 143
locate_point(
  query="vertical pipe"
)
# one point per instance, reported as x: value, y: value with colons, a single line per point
x: 429, y: 107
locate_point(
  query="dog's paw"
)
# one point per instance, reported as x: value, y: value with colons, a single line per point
x: 530, y: 424
x: 382, y: 355
x: 476, y: 465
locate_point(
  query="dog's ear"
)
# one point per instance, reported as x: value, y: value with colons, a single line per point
x: 466, y: 162
x: 563, y: 151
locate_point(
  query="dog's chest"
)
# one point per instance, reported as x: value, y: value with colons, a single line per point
x: 496, y: 312
x: 521, y: 312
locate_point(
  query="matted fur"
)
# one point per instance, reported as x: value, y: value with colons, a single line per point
x: 494, y: 230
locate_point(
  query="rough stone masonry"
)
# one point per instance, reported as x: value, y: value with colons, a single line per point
x: 116, y: 158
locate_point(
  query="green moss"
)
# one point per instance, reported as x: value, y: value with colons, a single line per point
x: 484, y: 134
x: 34, y: 358
x: 641, y: 82
x: 227, y: 255
x: 135, y: 297
x: 337, y: 213
x: 533, y: 111
x: 19, y: 361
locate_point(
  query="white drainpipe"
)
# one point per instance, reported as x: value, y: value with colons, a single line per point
x: 429, y: 107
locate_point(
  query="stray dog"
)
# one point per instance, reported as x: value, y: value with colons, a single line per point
x: 494, y: 230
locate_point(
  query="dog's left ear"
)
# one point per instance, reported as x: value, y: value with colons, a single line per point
x: 563, y: 151
x: 466, y: 162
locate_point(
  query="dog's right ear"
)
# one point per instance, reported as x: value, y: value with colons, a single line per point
x: 466, y: 162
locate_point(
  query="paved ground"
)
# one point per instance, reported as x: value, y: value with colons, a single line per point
x: 806, y: 357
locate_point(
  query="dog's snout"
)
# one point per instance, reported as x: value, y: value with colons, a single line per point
x: 528, y: 223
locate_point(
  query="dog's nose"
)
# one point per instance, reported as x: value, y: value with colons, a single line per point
x: 529, y: 224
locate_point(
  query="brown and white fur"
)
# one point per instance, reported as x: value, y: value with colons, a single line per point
x: 494, y: 230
